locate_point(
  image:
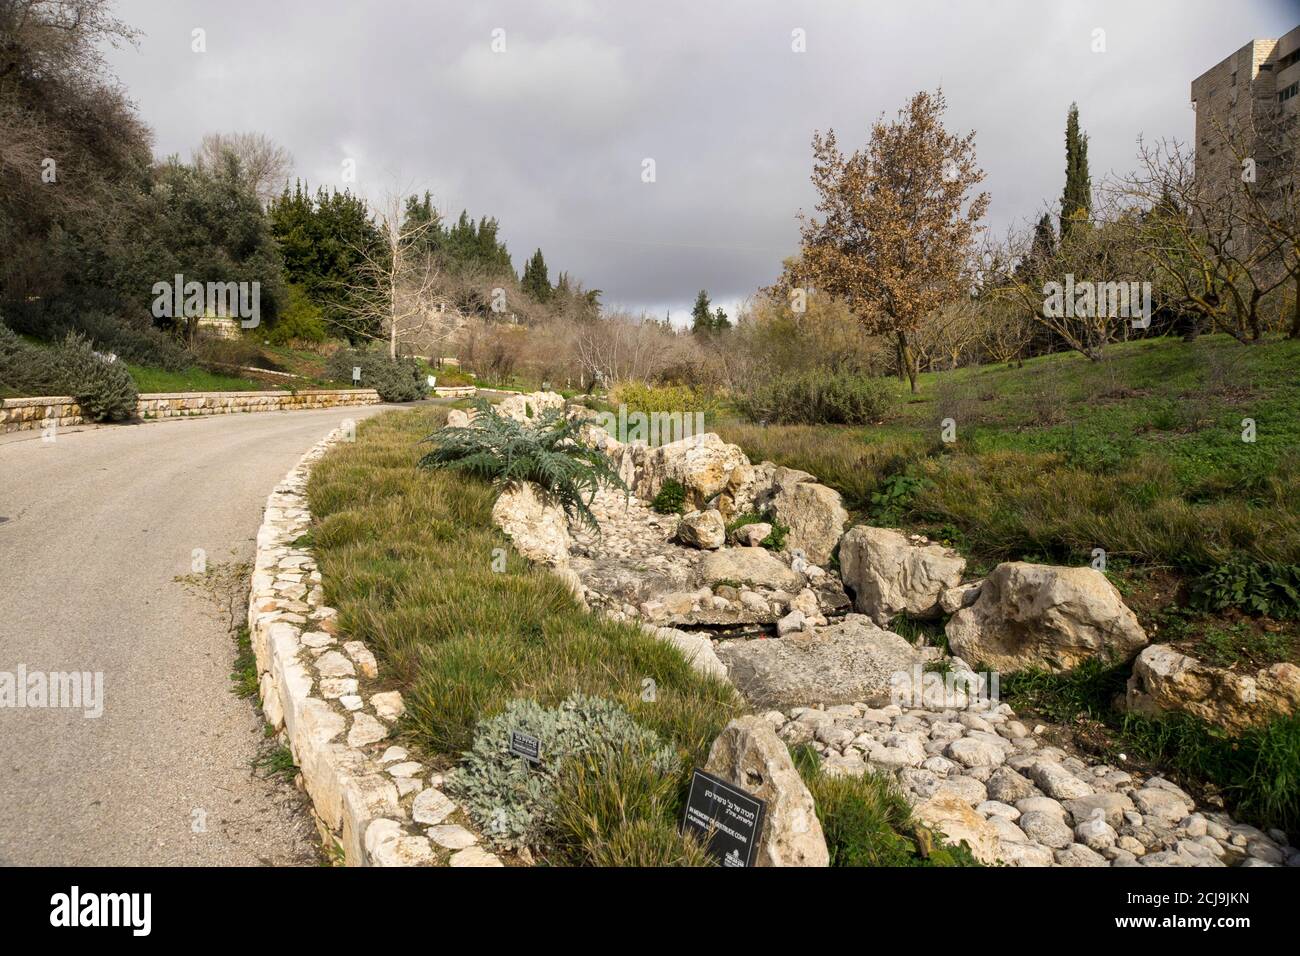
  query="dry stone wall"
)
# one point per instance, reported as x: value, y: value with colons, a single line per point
x: 17, y: 414
x: 324, y: 695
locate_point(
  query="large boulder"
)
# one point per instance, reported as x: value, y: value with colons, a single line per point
x: 696, y: 647
x: 1167, y: 680
x: 702, y: 529
x: 705, y: 465
x: 1041, y: 616
x: 529, y: 408
x: 749, y: 754
x: 536, y: 525
x: 755, y: 567
x: 814, y: 514
x: 890, y: 573
x: 852, y: 661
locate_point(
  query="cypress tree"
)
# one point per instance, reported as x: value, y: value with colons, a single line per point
x: 1077, y: 197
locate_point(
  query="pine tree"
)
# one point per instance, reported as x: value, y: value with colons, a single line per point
x: 1076, y: 201
x: 702, y: 318
x: 720, y: 320
x: 536, y: 282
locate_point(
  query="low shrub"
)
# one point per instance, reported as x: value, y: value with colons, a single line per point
x: 663, y: 399
x: 396, y: 380
x: 514, y: 802
x: 894, y: 498
x: 1258, y: 587
x: 671, y: 498
x: 817, y: 398
x: 546, y: 452
x: 104, y: 389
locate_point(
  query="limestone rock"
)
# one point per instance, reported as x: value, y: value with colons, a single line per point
x: 538, y: 527
x: 751, y: 535
x: 705, y: 465
x: 697, y: 648
x: 814, y: 514
x: 1164, y: 679
x: 529, y: 408
x: 959, y: 823
x: 847, y: 662
x: 1037, y: 615
x: 888, y: 573
x: 702, y: 529
x: 749, y: 754
x: 756, y: 567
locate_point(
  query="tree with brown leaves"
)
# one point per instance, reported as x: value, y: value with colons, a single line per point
x: 898, y: 222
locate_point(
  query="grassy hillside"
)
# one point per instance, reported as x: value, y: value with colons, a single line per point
x: 1141, y: 456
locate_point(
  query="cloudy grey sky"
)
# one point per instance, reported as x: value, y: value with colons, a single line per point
x: 549, y: 136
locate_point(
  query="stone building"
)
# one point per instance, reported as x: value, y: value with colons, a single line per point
x: 1248, y: 108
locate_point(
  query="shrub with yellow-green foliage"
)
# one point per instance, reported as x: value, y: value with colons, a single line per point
x: 664, y: 399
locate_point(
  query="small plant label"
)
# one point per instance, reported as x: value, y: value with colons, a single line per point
x: 728, y: 819
x: 526, y: 746
x: 356, y: 373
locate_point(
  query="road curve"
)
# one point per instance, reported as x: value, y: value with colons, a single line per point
x: 94, y: 529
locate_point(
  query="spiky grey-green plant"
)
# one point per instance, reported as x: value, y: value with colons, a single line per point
x: 546, y: 451
x: 513, y: 801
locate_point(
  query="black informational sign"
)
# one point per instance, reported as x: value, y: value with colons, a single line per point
x: 526, y: 746
x: 727, y: 818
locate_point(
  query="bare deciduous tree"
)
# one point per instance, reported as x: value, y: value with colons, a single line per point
x: 397, y: 289
x: 1218, y: 245
x: 265, y: 163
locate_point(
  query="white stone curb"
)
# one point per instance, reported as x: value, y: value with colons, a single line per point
x: 372, y: 805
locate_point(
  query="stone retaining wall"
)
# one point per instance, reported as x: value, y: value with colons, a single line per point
x: 17, y: 414
x: 323, y: 694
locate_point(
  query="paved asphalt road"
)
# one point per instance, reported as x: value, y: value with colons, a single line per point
x: 94, y: 529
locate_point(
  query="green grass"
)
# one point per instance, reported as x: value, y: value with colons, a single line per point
x: 191, y: 380
x: 276, y: 762
x: 1141, y: 455
x: 407, y: 558
x: 244, y: 676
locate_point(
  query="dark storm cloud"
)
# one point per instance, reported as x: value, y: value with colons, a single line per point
x: 549, y: 136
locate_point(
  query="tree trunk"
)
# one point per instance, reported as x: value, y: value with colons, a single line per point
x: 1295, y: 317
x: 907, y: 359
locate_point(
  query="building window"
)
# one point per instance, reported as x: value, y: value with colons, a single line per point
x: 1290, y: 91
x: 1290, y: 58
